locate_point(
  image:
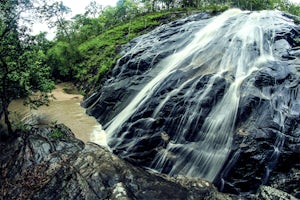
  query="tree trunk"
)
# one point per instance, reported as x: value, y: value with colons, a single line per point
x: 6, y: 119
x: 4, y: 111
x: 5, y: 96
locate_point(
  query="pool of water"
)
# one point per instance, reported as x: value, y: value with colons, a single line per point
x: 66, y: 109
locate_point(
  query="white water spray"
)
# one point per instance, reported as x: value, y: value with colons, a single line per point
x: 232, y: 46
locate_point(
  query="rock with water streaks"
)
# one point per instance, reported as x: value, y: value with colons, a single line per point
x: 266, y: 144
x: 49, y: 163
x: 134, y: 68
x: 240, y: 88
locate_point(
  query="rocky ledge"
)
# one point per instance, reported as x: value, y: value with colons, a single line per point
x: 50, y: 163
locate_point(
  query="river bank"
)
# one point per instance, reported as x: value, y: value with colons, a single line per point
x: 64, y: 108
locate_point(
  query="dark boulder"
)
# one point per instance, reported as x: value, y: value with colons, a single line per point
x: 50, y: 163
x: 266, y: 144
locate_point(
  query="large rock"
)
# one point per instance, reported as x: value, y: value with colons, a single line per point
x: 49, y: 163
x: 266, y: 145
x: 133, y: 70
x: 165, y: 128
x: 266, y: 192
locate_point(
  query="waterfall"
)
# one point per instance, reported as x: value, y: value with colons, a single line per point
x: 196, y: 120
x: 171, y: 63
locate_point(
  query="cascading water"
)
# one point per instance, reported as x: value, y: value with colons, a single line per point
x: 207, y: 154
x: 179, y: 113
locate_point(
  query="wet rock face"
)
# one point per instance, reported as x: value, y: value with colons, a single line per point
x: 263, y: 155
x: 265, y: 134
x: 266, y: 192
x: 133, y: 70
x: 42, y: 164
x: 266, y: 144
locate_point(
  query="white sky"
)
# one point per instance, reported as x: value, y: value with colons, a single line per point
x: 77, y: 7
x: 295, y: 1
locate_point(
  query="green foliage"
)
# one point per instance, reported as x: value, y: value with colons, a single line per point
x: 100, y: 53
x: 58, y: 56
x: 291, y: 8
x: 17, y: 122
x: 56, y: 133
x: 23, y: 68
x: 86, y: 48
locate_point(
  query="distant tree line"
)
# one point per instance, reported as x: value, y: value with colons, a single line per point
x: 156, y: 5
x: 66, y: 54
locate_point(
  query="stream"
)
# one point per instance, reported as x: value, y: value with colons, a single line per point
x: 64, y: 108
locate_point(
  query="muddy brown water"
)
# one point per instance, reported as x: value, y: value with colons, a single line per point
x: 66, y: 109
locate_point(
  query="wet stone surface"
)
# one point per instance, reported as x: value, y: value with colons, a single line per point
x: 264, y: 140
x: 38, y: 165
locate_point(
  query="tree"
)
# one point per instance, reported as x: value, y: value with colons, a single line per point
x: 22, y: 63
x: 63, y: 55
x: 150, y: 5
x: 93, y: 9
x: 55, y: 14
x: 168, y: 3
x: 188, y: 3
x: 63, y: 58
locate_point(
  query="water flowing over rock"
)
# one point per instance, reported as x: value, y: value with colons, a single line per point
x: 41, y: 164
x: 210, y: 97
